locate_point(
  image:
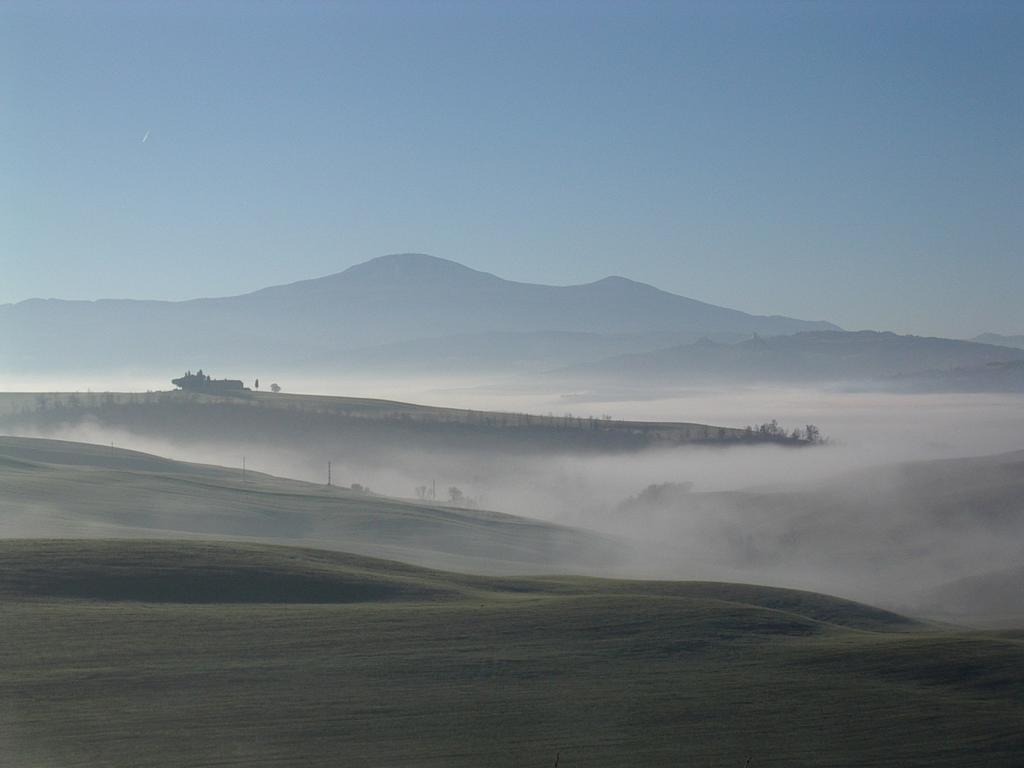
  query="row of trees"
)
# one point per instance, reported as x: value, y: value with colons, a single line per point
x: 771, y: 430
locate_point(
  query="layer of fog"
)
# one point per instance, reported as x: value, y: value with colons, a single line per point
x: 885, y: 426
x: 885, y: 555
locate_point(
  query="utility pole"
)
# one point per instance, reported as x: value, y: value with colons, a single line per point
x: 328, y: 473
x: 433, y: 489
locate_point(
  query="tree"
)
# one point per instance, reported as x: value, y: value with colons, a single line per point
x: 455, y: 495
x: 812, y: 433
x: 275, y: 388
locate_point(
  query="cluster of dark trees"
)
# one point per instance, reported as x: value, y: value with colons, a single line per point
x: 771, y: 431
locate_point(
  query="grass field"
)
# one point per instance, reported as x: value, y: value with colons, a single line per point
x: 51, y: 488
x: 374, y: 416
x: 141, y: 653
x: 156, y: 626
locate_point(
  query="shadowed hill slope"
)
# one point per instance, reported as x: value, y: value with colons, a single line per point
x: 204, y: 572
x: 221, y: 572
x: 328, y: 656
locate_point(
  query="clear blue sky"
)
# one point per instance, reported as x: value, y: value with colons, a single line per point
x: 858, y: 162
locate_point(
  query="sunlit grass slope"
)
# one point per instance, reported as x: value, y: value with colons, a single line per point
x: 143, y: 653
x: 52, y: 488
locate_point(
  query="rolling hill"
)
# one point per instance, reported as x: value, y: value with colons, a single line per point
x: 891, y: 535
x: 58, y: 489
x: 287, y: 657
x: 388, y: 300
x: 374, y: 426
x: 874, y: 358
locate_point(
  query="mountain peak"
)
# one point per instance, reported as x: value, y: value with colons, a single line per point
x: 408, y: 267
x: 618, y: 283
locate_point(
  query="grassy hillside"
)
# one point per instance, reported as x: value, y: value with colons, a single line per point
x: 373, y: 422
x: 151, y: 654
x: 52, y: 488
x: 889, y: 535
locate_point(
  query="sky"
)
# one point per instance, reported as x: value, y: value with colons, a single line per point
x: 857, y: 162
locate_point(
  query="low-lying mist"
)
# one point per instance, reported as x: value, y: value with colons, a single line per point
x: 839, y: 518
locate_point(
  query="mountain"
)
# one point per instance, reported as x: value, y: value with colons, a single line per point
x: 998, y: 338
x: 818, y: 356
x: 389, y: 300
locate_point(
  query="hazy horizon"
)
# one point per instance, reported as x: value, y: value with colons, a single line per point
x: 448, y: 383
x: 731, y: 152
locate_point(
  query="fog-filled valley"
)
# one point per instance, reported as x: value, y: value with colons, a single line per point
x: 433, y: 384
x: 592, y: 489
x: 889, y: 509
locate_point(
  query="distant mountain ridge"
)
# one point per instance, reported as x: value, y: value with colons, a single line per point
x: 452, y: 295
x: 814, y: 356
x: 388, y: 300
x: 1001, y: 339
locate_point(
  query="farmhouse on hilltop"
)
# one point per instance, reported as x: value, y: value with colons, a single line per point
x: 201, y: 382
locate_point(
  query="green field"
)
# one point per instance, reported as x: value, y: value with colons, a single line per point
x: 150, y: 617
x: 140, y: 653
x: 56, y: 489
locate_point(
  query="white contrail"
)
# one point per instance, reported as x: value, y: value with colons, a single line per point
x: 145, y: 137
